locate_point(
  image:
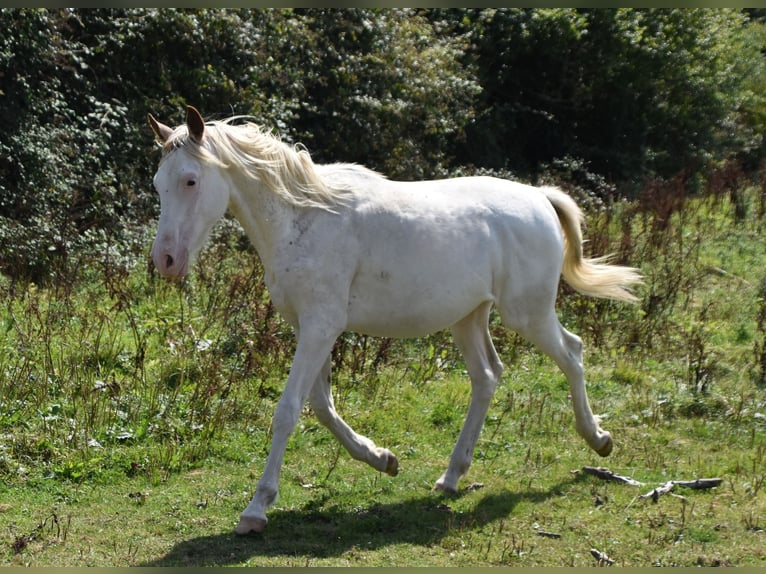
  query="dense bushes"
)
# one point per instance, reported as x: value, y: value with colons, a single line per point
x: 622, y: 94
x: 634, y: 92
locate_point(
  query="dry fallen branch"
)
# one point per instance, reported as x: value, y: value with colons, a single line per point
x: 698, y: 483
x: 607, y: 474
x: 601, y: 557
x: 659, y: 491
x: 545, y: 534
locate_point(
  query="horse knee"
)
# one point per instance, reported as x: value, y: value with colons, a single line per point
x: 285, y: 417
x: 483, y: 387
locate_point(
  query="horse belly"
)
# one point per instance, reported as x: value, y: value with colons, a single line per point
x: 414, y: 298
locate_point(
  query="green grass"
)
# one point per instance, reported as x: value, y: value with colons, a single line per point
x: 135, y: 415
x: 335, y: 511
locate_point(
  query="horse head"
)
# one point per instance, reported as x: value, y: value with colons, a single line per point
x: 193, y: 194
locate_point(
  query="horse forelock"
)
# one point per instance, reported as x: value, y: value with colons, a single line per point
x: 178, y: 139
x: 181, y: 139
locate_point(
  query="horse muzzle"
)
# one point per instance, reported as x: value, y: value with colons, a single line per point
x: 171, y: 263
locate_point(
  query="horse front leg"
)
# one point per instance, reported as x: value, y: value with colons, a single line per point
x: 314, y: 345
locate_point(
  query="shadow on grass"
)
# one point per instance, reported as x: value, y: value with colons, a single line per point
x: 308, y: 533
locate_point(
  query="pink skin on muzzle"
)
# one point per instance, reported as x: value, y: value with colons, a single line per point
x: 172, y: 263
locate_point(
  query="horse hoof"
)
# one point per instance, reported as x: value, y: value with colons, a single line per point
x: 392, y: 466
x: 250, y: 525
x: 606, y: 448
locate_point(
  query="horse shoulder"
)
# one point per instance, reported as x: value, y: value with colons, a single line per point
x: 314, y: 263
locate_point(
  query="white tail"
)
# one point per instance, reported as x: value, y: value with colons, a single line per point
x: 594, y: 277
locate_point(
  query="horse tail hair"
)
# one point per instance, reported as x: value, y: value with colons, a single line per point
x: 594, y: 277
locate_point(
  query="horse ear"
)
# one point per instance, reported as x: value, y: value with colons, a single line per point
x: 162, y: 131
x: 195, y: 123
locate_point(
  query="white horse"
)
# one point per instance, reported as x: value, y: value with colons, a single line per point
x: 344, y: 248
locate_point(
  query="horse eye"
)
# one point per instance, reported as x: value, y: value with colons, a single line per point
x: 191, y: 182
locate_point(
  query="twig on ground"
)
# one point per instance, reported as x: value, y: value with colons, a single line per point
x: 698, y: 483
x: 607, y: 474
x: 601, y: 557
x: 659, y: 491
x: 545, y: 534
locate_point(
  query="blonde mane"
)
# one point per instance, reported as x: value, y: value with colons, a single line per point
x: 287, y: 171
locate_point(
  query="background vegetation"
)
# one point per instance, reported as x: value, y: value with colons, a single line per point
x: 607, y: 97
x: 155, y: 398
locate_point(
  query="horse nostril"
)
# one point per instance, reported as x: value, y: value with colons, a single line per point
x: 168, y: 261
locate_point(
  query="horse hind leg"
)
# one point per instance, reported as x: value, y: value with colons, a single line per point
x: 565, y: 349
x: 471, y: 336
x: 358, y: 446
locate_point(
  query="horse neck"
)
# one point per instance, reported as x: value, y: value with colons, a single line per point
x: 262, y: 214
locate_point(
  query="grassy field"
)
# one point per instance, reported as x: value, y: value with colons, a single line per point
x: 134, y: 418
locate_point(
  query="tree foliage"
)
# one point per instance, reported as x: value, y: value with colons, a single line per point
x: 634, y: 92
x: 389, y: 83
x: 624, y: 94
